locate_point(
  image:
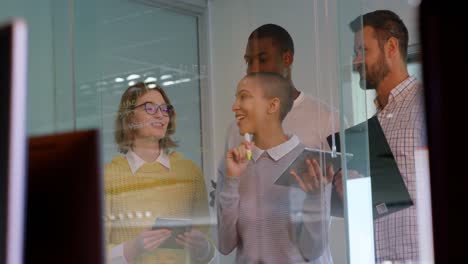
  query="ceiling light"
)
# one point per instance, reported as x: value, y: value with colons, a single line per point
x: 133, y: 77
x: 166, y: 76
x: 150, y: 79
x: 168, y: 83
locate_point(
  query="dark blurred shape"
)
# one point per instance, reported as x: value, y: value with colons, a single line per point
x: 389, y: 192
x: 13, y: 78
x: 64, y: 204
x: 444, y: 54
x: 212, y: 193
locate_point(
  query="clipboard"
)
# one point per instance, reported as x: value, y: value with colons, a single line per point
x: 389, y: 191
x: 177, y: 226
x: 299, y: 165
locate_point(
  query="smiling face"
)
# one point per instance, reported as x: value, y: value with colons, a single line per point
x: 369, y: 60
x: 251, y: 106
x: 146, y: 125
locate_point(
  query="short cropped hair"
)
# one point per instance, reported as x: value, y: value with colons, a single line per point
x: 279, y: 36
x: 386, y: 24
x: 275, y: 85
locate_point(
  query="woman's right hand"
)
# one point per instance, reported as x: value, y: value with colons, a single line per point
x: 338, y: 183
x: 147, y: 241
x: 236, y: 159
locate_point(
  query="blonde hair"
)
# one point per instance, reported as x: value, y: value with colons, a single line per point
x: 124, y: 133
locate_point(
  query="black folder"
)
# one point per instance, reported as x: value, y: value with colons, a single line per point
x: 389, y: 191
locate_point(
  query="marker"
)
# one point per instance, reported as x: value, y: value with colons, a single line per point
x: 248, y: 139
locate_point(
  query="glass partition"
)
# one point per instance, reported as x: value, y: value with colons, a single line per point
x: 132, y: 42
x: 84, y: 56
x: 40, y: 61
x: 139, y: 78
x: 383, y: 202
x: 356, y: 170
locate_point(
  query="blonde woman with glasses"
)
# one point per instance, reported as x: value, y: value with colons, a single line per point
x: 151, y: 181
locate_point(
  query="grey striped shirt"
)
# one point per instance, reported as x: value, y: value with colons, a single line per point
x: 270, y: 223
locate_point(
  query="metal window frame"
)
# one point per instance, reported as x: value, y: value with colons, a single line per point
x: 200, y: 10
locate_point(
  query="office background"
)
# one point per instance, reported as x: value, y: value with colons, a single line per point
x: 83, y: 54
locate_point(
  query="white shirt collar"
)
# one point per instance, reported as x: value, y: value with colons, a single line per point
x: 279, y: 151
x: 299, y: 99
x: 135, y: 162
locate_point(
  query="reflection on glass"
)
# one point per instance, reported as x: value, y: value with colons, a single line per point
x: 150, y: 181
x: 270, y: 48
x: 268, y: 222
x: 383, y: 38
x: 123, y: 42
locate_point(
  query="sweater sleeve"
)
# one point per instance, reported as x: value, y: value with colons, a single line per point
x: 201, y: 213
x: 313, y: 232
x: 115, y: 254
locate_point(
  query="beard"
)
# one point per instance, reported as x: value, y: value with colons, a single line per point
x: 375, y: 73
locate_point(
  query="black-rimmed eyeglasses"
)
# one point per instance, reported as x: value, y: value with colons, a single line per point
x: 152, y: 108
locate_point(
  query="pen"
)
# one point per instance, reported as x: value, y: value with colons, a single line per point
x: 248, y: 139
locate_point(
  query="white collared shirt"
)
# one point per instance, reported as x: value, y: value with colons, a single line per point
x: 135, y: 162
x: 279, y: 151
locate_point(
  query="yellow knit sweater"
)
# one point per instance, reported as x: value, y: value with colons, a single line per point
x: 134, y: 201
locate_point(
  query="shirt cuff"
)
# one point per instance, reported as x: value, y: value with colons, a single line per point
x: 231, y: 185
x: 117, y: 255
x: 229, y: 195
x: 316, y: 206
x: 206, y: 253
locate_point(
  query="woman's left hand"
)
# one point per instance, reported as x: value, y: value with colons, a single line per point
x: 196, y: 242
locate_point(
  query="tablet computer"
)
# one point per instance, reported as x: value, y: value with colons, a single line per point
x: 299, y: 165
x: 178, y: 226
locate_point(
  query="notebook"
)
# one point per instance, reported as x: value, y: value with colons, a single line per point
x: 389, y: 192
